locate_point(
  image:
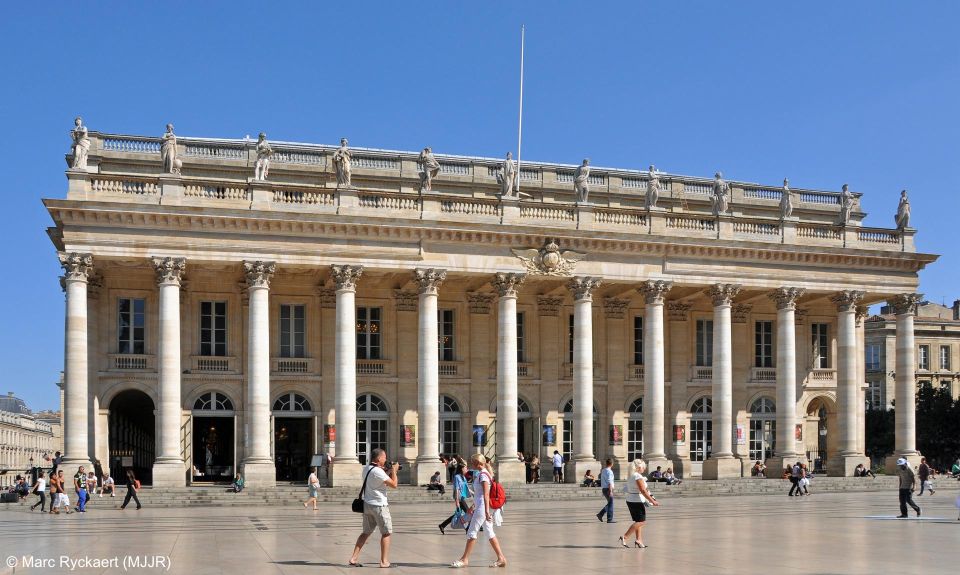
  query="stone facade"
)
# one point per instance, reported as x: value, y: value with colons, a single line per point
x: 304, y: 315
x: 24, y: 436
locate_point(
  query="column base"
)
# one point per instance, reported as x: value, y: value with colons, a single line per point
x: 259, y: 473
x: 422, y: 471
x: 70, y: 465
x: 346, y: 473
x: 776, y: 465
x: 890, y: 463
x: 664, y: 464
x: 169, y: 474
x: 511, y: 471
x: 726, y: 468
x: 843, y: 465
x: 575, y: 469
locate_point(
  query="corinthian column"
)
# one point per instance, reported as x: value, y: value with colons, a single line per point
x: 583, y: 455
x: 428, y: 375
x: 653, y: 385
x: 76, y: 271
x: 258, y: 467
x: 722, y: 464
x: 168, y: 469
x: 346, y: 468
x: 843, y: 464
x: 905, y: 427
x: 786, y: 444
x: 508, y: 468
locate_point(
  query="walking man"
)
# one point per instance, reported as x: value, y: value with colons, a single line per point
x: 376, y: 512
x: 908, y: 482
x: 606, y: 487
x: 38, y: 488
x: 557, y: 467
x: 795, y: 480
x: 924, y: 475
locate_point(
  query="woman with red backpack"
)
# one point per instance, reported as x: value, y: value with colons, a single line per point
x: 483, y: 510
x: 133, y: 485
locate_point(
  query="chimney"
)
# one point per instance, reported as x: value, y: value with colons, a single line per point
x: 956, y: 309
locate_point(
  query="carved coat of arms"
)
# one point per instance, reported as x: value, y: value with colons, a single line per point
x: 549, y: 260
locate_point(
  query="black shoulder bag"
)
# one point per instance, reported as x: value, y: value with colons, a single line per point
x: 357, y: 506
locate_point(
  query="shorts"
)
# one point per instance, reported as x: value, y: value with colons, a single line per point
x: 313, y: 491
x: 477, y: 520
x: 377, y: 517
x: 638, y: 511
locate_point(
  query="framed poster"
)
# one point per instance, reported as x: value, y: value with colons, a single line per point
x: 329, y: 433
x: 616, y: 434
x: 549, y: 435
x: 798, y: 432
x: 679, y: 434
x: 741, y: 436
x: 479, y: 435
x: 408, y: 435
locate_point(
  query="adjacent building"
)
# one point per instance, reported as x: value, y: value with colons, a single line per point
x: 361, y: 298
x: 25, y: 439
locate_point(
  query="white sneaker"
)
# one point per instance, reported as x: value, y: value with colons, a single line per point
x: 101, y: 495
x: 113, y: 495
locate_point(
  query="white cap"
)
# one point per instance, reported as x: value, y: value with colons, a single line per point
x: 901, y: 461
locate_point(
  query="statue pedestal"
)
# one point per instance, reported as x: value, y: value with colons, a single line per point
x: 843, y: 465
x: 169, y: 474
x: 726, y: 468
x: 511, y: 471
x: 890, y: 464
x: 171, y: 189
x: 259, y: 474
x: 261, y: 194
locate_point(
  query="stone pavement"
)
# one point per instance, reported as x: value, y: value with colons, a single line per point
x: 850, y: 533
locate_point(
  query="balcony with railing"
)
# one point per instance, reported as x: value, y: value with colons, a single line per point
x: 373, y: 367
x: 822, y: 377
x: 291, y: 365
x: 699, y: 373
x: 214, y: 364
x: 132, y: 362
x: 763, y: 375
x: 635, y: 372
x: 450, y: 369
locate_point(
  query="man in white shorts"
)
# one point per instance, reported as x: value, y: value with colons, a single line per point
x: 376, y: 511
x: 108, y: 485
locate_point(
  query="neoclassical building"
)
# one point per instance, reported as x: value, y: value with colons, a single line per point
x: 25, y: 438
x: 238, y: 305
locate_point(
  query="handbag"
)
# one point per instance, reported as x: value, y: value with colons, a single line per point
x: 357, y: 505
x: 460, y: 519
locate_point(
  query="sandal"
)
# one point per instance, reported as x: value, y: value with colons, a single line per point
x: 458, y: 564
x: 355, y: 564
x: 502, y: 563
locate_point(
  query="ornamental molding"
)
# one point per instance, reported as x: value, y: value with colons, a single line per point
x: 549, y: 260
x: 549, y: 305
x: 862, y: 311
x: 905, y: 303
x: 740, y: 311
x: 346, y: 277
x: 723, y: 294
x: 653, y: 291
x: 76, y: 266
x: 786, y: 297
x: 507, y: 284
x: 615, y: 308
x: 405, y: 300
x: 800, y: 314
x: 328, y: 297
x: 169, y: 271
x: 429, y: 280
x: 480, y: 303
x: 847, y: 300
x: 582, y: 287
x: 678, y: 310
x: 259, y: 273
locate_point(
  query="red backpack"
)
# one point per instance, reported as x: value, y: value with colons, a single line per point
x: 498, y: 497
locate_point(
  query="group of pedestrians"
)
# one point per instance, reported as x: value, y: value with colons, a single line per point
x: 799, y: 480
x: 85, y: 486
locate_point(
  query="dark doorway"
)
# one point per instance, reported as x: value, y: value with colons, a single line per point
x: 292, y: 447
x: 213, y: 456
x: 131, y: 436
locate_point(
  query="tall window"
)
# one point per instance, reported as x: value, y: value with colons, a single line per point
x: 635, y: 430
x: 368, y: 332
x: 637, y: 344
x: 873, y: 357
x: 704, y: 342
x: 292, y: 325
x: 924, y: 363
x: 213, y: 328
x: 449, y: 425
x: 570, y: 340
x: 521, y: 339
x: 701, y: 429
x: 130, y: 325
x: 763, y: 429
x: 445, y: 334
x: 945, y: 357
x: 763, y: 344
x: 820, y: 340
x: 874, y: 395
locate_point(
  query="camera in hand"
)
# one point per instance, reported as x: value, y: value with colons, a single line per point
x: 392, y: 463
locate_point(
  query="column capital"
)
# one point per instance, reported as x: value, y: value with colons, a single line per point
x: 259, y: 273
x: 723, y: 294
x: 678, y: 310
x: 169, y: 270
x: 76, y: 266
x: 405, y: 300
x: 654, y: 290
x: 582, y: 287
x: 549, y: 305
x: 740, y: 311
x: 847, y: 300
x: 507, y: 284
x: 429, y: 279
x: 862, y: 311
x: 479, y: 302
x: 786, y: 297
x: 346, y: 277
x: 905, y: 304
x: 615, y: 308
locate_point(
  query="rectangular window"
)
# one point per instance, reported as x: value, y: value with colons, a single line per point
x: 704, y: 342
x: 945, y: 357
x: 570, y: 339
x: 634, y: 439
x: 213, y: 328
x: 874, y: 395
x: 873, y: 357
x: 445, y: 335
x: 292, y: 326
x: 763, y: 344
x: 130, y: 325
x: 820, y: 342
x: 924, y: 358
x: 637, y: 341
x: 368, y: 332
x: 521, y: 339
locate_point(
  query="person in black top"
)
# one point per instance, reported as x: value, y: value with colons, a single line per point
x: 131, y: 490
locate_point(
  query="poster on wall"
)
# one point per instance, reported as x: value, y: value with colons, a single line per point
x: 549, y: 435
x: 329, y: 433
x: 679, y: 434
x: 741, y: 436
x: 479, y: 435
x: 616, y: 434
x: 408, y: 435
x: 798, y: 432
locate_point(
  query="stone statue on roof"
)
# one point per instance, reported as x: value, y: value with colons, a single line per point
x: 429, y: 168
x: 721, y: 195
x: 264, y: 151
x: 168, y: 152
x: 581, y: 177
x: 786, y: 200
x: 81, y: 145
x: 653, y: 188
x: 846, y: 205
x: 507, y: 176
x: 903, y: 211
x: 342, y: 163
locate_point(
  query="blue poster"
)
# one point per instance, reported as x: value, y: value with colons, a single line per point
x: 479, y: 435
x: 549, y: 435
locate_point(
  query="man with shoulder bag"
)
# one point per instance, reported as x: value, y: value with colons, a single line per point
x: 376, y: 512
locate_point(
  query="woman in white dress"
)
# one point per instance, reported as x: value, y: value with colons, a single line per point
x: 482, y: 513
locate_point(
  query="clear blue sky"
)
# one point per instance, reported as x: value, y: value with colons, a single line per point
x: 822, y: 93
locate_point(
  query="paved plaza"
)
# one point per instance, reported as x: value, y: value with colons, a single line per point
x: 823, y: 533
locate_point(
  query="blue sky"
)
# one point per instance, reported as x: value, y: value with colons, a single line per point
x: 821, y: 92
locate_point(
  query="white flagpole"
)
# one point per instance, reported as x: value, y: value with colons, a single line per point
x: 520, y: 122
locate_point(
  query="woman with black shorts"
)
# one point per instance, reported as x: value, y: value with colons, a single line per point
x: 637, y: 499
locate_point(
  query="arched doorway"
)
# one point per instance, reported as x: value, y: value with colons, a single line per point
x: 568, y: 431
x: 701, y: 433
x: 132, y: 435
x: 635, y: 429
x: 450, y: 414
x: 292, y: 436
x: 763, y: 429
x: 819, y: 444
x: 214, y: 429
x: 372, y: 416
x: 528, y: 428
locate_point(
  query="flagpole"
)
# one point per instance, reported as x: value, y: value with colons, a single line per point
x: 520, y: 121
